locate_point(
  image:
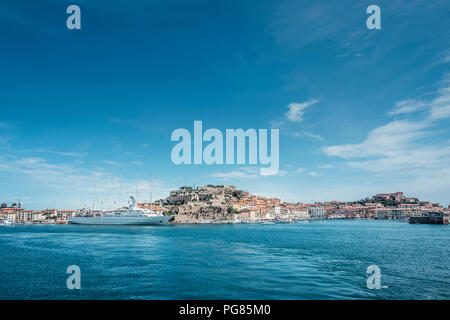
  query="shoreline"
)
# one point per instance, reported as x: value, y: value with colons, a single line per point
x: 299, y: 221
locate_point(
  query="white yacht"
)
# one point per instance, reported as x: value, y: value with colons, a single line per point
x: 131, y: 216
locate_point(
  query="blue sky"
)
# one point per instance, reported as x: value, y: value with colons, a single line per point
x: 359, y: 111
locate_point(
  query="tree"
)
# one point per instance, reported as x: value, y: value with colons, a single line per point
x: 231, y: 210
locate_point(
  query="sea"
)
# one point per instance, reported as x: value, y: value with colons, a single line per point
x: 308, y: 260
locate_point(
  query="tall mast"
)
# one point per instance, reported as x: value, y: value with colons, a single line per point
x: 136, y: 184
x: 151, y: 193
x: 109, y: 196
x: 120, y: 188
x: 94, y: 192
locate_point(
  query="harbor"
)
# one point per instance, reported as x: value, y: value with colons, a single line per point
x: 222, y: 204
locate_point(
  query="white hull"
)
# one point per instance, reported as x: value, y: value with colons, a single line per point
x: 121, y: 220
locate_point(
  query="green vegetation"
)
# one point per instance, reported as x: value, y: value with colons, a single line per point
x: 231, y: 210
x: 238, y: 194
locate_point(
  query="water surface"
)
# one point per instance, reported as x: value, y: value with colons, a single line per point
x: 317, y: 260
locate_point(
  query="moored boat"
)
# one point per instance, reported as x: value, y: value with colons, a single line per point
x: 132, y: 216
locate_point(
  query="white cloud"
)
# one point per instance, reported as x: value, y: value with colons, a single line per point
x: 326, y: 166
x: 314, y: 174
x: 241, y: 173
x: 399, y: 145
x: 389, y: 140
x: 438, y: 108
x: 407, y: 106
x: 245, y: 173
x: 296, y: 110
x: 300, y: 170
x: 404, y: 151
x: 59, y: 153
x: 70, y: 154
x: 312, y: 135
x: 395, y: 147
x: 111, y: 162
x: 308, y: 134
x: 280, y: 173
x: 71, y: 186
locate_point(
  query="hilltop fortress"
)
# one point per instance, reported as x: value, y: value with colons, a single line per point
x: 203, y: 204
x: 226, y: 204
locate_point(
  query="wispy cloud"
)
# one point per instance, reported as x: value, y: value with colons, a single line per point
x: 291, y: 120
x: 411, y: 148
x: 437, y: 108
x: 62, y: 178
x: 388, y: 140
x: 343, y: 23
x: 299, y: 170
x: 241, y: 173
x: 55, y: 152
x: 245, y: 173
x: 312, y: 135
x: 68, y: 154
x: 407, y: 106
x: 296, y: 110
x: 110, y: 162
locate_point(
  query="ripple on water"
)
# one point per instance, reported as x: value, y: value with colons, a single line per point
x: 323, y: 260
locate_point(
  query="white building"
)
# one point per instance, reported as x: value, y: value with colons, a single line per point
x: 301, y: 214
x: 24, y: 215
x: 38, y: 216
x: 274, y: 212
x: 64, y: 215
x: 317, y: 212
x: 11, y: 217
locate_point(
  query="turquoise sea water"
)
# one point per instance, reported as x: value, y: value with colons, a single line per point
x: 316, y: 260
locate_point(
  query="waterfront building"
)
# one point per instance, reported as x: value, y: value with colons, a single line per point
x: 245, y: 214
x: 50, y: 213
x: 237, y: 217
x: 24, y: 216
x: 396, y: 213
x: 317, y: 212
x: 11, y: 217
x: 254, y: 214
x: 276, y: 211
x: 300, y: 214
x: 37, y: 216
x: 64, y: 215
x: 227, y: 204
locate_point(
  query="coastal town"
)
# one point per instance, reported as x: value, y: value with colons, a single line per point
x: 227, y: 204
